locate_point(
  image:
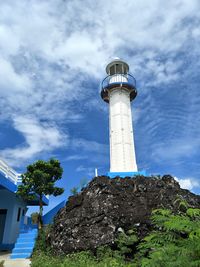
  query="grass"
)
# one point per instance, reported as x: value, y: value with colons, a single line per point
x: 80, y: 259
x: 104, y: 256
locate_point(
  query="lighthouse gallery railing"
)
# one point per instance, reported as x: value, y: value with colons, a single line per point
x: 118, y: 79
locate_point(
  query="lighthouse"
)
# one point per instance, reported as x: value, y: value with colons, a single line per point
x: 118, y: 89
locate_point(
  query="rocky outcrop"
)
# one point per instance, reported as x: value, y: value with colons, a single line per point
x: 106, y: 206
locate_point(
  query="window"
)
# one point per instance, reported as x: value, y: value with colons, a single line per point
x: 125, y: 70
x: 119, y: 68
x: 112, y: 70
x: 18, y: 214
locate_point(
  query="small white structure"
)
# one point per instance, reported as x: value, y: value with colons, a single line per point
x: 119, y: 89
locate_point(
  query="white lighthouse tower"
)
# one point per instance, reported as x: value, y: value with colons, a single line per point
x: 119, y: 89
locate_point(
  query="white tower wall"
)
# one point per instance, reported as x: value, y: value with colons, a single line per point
x: 122, y: 149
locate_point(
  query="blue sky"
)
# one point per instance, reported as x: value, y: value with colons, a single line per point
x: 52, y: 59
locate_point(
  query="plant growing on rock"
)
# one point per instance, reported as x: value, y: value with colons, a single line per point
x: 126, y: 241
x: 95, y: 213
x: 74, y: 191
x: 175, y: 240
x: 83, y: 182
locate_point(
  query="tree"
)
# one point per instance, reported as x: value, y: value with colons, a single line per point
x: 39, y: 180
x: 74, y: 191
x: 34, y: 217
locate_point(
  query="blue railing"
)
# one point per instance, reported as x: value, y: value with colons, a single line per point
x: 118, y: 79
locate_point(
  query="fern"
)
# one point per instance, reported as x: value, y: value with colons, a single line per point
x: 160, y: 215
x: 174, y: 242
x: 179, y: 223
x: 193, y: 213
x: 182, y: 203
x: 162, y: 212
x: 125, y: 241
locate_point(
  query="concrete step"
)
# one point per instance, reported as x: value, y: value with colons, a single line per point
x: 28, y: 231
x: 23, y: 245
x: 27, y: 236
x: 25, y: 240
x: 22, y: 250
x: 20, y: 255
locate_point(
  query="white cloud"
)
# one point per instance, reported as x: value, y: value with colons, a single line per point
x: 188, y: 183
x: 10, y: 81
x: 49, y: 49
x: 93, y: 152
x: 86, y: 170
x: 88, y: 146
x: 75, y: 157
x: 85, y: 40
x: 9, y: 40
x: 175, y: 149
x: 39, y: 138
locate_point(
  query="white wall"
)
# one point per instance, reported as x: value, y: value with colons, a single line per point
x: 122, y: 150
x: 11, y: 202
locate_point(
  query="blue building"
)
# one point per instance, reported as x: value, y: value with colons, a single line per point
x: 13, y: 219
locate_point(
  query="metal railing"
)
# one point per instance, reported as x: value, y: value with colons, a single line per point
x: 118, y: 79
x: 9, y: 173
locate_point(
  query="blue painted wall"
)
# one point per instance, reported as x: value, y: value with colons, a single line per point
x: 9, y: 201
x: 6, y: 183
x: 48, y: 217
x: 126, y: 174
x: 12, y: 203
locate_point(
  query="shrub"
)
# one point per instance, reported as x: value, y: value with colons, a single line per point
x: 173, y: 241
x: 126, y: 241
x: 40, y: 258
x: 41, y: 244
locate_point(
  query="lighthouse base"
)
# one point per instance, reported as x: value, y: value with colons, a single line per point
x: 125, y: 174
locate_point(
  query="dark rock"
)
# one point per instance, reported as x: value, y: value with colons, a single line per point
x: 95, y: 216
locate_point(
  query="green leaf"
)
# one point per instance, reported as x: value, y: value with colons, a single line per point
x: 40, y: 179
x: 193, y: 213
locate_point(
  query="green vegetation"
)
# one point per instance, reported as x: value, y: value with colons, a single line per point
x: 40, y: 180
x: 83, y: 182
x: 74, y: 191
x: 1, y: 263
x: 174, y: 241
x: 34, y: 217
x: 80, y: 259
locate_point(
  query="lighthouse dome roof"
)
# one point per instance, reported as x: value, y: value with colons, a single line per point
x: 117, y: 61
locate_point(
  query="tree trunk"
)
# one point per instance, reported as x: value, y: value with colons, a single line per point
x: 40, y: 223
